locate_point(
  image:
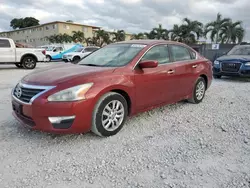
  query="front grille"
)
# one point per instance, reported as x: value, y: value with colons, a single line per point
x: 25, y: 94
x: 230, y: 67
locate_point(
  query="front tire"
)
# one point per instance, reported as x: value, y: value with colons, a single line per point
x: 76, y: 59
x: 199, y: 91
x: 109, y: 114
x: 29, y: 62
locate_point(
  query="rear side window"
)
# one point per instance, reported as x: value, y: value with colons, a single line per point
x: 193, y: 54
x: 180, y: 53
x: 4, y: 43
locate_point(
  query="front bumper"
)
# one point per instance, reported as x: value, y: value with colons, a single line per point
x: 76, y: 117
x: 244, y: 71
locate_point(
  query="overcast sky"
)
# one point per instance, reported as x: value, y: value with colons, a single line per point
x: 130, y: 15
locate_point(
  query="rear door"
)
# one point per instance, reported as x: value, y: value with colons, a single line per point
x: 185, y: 69
x: 7, y: 54
x: 154, y: 85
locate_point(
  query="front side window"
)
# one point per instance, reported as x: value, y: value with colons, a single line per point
x: 4, y: 43
x: 113, y: 55
x: 158, y: 53
x: 180, y: 53
x: 240, y: 50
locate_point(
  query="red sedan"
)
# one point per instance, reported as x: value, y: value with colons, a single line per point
x: 105, y: 87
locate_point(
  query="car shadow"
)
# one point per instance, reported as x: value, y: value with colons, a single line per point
x: 234, y: 79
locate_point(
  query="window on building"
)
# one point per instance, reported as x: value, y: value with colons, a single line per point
x: 54, y: 26
x: 65, y: 26
x: 4, y: 43
x: 85, y: 29
x: 41, y: 28
x: 47, y: 27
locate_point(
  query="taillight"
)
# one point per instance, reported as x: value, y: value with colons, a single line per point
x: 44, y: 52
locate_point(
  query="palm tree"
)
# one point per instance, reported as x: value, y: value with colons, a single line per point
x: 193, y: 27
x: 120, y: 35
x: 102, y: 37
x: 175, y: 33
x: 232, y: 32
x: 137, y: 36
x: 78, y: 36
x: 67, y: 38
x: 149, y: 35
x: 215, y: 27
x: 160, y: 33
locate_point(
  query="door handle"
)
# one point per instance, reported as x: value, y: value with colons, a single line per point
x: 194, y: 66
x: 170, y: 71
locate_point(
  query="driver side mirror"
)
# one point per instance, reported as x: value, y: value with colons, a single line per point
x: 54, y: 50
x: 148, y: 64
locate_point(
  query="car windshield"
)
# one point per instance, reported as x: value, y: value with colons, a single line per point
x: 50, y: 48
x: 78, y: 49
x: 113, y: 55
x: 240, y: 50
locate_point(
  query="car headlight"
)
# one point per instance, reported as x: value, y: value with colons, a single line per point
x: 71, y: 94
x: 247, y: 64
x: 216, y: 62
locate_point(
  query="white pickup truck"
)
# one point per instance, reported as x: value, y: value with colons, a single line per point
x: 21, y: 57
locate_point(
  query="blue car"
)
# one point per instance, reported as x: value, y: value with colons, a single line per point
x: 235, y: 63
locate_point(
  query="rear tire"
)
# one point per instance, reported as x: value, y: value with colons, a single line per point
x: 199, y: 91
x: 109, y: 114
x: 29, y: 62
x: 19, y: 65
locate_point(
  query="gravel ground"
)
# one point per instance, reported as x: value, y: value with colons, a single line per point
x: 181, y: 145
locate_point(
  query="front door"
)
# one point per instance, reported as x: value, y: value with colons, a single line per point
x: 7, y: 53
x: 154, y: 85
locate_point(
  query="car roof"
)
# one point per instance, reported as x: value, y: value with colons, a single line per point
x: 149, y: 42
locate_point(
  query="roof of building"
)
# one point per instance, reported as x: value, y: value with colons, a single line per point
x: 54, y: 22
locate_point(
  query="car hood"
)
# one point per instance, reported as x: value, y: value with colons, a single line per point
x: 54, y: 75
x: 240, y: 58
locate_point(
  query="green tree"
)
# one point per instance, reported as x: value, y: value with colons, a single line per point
x: 103, y: 37
x: 138, y: 36
x: 78, y: 36
x: 190, y: 28
x: 19, y: 23
x: 232, y: 32
x: 120, y: 35
x: 215, y: 28
x: 175, y: 33
x: 160, y: 33
x: 149, y: 35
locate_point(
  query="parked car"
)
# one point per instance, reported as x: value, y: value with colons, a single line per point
x: 21, y: 57
x: 116, y: 81
x: 56, y: 52
x: 234, y: 63
x: 79, y: 53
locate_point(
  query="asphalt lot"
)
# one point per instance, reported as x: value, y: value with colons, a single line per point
x: 180, y: 145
